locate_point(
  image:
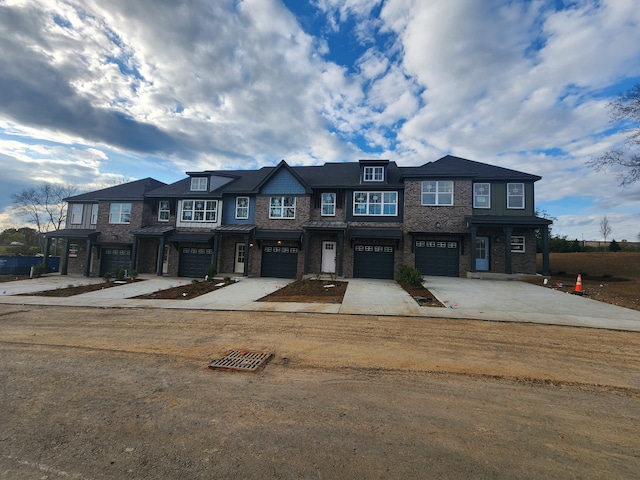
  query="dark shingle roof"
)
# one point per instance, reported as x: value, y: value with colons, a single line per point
x: 456, y: 167
x: 127, y: 191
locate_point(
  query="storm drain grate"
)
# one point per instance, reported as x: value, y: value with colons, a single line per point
x: 241, y: 360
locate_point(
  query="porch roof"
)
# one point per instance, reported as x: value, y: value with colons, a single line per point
x: 507, y: 221
x: 278, y: 235
x: 194, y: 237
x: 386, y: 233
x: 325, y: 226
x: 238, y: 228
x: 153, y: 231
x: 73, y: 233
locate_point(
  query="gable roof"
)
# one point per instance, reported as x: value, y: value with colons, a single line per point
x: 456, y: 167
x: 283, y: 165
x: 133, y: 191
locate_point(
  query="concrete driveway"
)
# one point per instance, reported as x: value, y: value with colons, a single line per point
x: 494, y: 300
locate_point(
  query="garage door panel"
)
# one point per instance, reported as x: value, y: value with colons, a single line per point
x: 373, y: 261
x: 113, y: 259
x: 279, y: 262
x: 194, y: 261
x: 439, y: 258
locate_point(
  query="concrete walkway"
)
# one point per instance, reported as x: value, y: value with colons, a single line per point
x: 509, y: 301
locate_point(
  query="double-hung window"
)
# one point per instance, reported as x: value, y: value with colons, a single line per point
x: 375, y: 203
x: 164, y: 211
x: 199, y: 210
x: 437, y: 192
x: 76, y: 213
x: 517, y: 244
x: 242, y: 208
x: 282, y: 207
x: 373, y: 174
x: 120, y: 213
x: 515, y: 195
x: 328, y: 205
x: 481, y: 195
x: 94, y: 214
x: 198, y: 184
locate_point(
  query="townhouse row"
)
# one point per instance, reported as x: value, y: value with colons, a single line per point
x: 360, y: 219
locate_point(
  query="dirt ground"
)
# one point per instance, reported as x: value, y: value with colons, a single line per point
x: 125, y: 393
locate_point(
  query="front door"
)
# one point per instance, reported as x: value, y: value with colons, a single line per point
x: 328, y: 257
x: 482, y: 253
x: 240, y: 254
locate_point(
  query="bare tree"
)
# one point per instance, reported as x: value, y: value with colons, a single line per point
x: 626, y: 110
x: 605, y: 227
x: 44, y: 206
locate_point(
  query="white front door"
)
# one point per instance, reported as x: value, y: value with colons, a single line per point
x: 240, y: 253
x: 329, y: 257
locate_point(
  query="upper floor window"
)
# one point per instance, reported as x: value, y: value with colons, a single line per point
x: 437, y: 192
x: 328, y: 204
x: 517, y: 244
x: 76, y: 213
x: 198, y: 184
x: 375, y: 203
x: 282, y: 207
x: 373, y: 174
x: 481, y: 195
x: 164, y: 211
x: 94, y: 214
x: 515, y: 195
x: 199, y: 211
x: 242, y: 208
x: 120, y: 213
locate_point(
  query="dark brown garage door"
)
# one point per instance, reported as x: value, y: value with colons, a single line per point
x: 437, y: 258
x: 279, y: 262
x: 373, y: 261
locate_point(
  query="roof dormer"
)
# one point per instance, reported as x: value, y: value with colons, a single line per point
x: 373, y: 171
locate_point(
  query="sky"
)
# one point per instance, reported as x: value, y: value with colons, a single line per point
x: 93, y: 92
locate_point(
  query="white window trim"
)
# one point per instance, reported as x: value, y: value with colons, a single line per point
x: 94, y: 214
x: 205, y: 210
x: 282, y: 207
x: 76, y: 216
x: 331, y: 204
x: 517, y: 240
x: 198, y: 184
x: 120, y: 214
x: 382, y: 203
x: 372, y: 174
x: 437, y: 193
x: 516, y: 196
x: 488, y: 195
x: 164, y: 210
x: 240, y: 217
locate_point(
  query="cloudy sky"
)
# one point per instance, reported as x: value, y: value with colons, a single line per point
x: 94, y: 91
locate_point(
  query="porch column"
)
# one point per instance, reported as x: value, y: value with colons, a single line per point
x: 64, y: 258
x: 507, y: 250
x: 245, y: 271
x: 160, y: 262
x: 546, y: 270
x: 45, y: 259
x: 340, y: 258
x: 472, y: 248
x: 305, y: 248
x: 134, y: 253
x: 87, y: 258
x: 216, y: 247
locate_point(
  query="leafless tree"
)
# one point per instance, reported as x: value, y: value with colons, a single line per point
x: 625, y: 110
x: 44, y: 206
x: 605, y: 227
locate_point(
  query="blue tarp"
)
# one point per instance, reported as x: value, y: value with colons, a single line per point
x: 21, y: 265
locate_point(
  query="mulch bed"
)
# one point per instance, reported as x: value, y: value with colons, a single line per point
x: 421, y: 295
x: 186, y: 292
x: 77, y: 290
x: 309, y: 291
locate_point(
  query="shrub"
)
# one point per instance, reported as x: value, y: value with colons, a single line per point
x: 227, y: 279
x: 39, y: 269
x: 133, y: 274
x: 411, y: 275
x: 210, y: 272
x: 107, y: 277
x: 120, y: 274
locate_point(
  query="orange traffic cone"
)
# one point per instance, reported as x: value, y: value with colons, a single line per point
x: 578, y: 290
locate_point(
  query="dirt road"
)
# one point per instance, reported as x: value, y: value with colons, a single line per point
x: 109, y: 393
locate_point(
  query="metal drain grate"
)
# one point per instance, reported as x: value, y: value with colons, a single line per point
x: 241, y: 360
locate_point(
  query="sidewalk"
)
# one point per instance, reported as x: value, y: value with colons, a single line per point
x: 491, y: 300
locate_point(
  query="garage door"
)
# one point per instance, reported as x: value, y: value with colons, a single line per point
x: 111, y: 259
x: 279, y: 262
x: 437, y: 258
x: 194, y: 261
x: 373, y: 261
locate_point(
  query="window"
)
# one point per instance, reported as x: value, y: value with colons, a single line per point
x: 199, y: 211
x: 120, y: 213
x: 517, y: 244
x: 328, y: 204
x: 198, y: 184
x: 373, y: 174
x: 163, y: 210
x: 94, y: 214
x: 515, y: 195
x: 242, y: 208
x: 375, y: 203
x: 282, y: 207
x: 76, y: 213
x: 437, y: 193
x: 481, y: 195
